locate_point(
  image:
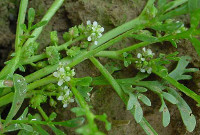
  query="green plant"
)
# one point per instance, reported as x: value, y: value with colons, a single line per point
x: 54, y: 78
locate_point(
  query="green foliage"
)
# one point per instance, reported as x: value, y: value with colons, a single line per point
x: 30, y: 50
x: 31, y: 17
x: 38, y: 25
x: 133, y: 103
x: 180, y: 70
x: 186, y: 113
x: 20, y: 86
x: 67, y: 36
x: 127, y: 59
x: 73, y: 51
x: 156, y: 24
x: 53, y: 55
x: 78, y: 111
x: 54, y: 38
x: 193, y: 5
x: 36, y: 100
x: 103, y: 118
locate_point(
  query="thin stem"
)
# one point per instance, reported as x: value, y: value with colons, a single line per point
x: 144, y: 124
x: 135, y: 23
x: 89, y: 115
x: 20, y: 21
x: 50, y: 13
x: 46, y: 118
x: 42, y: 82
x: 43, y: 55
x: 4, y: 100
x: 179, y: 86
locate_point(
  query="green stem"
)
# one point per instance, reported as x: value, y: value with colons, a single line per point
x: 42, y: 82
x: 43, y: 55
x: 33, y: 92
x: 46, y: 118
x: 20, y: 21
x: 137, y: 22
x: 89, y: 115
x: 50, y: 13
x: 144, y: 124
x: 74, y: 61
x: 179, y: 86
x: 108, y: 54
x: 6, y: 99
x: 133, y: 47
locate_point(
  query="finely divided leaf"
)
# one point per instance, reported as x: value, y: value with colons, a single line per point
x: 85, y: 81
x: 176, y: 12
x: 138, y: 113
x: 166, y: 116
x: 180, y: 70
x: 168, y: 27
x: 52, y: 116
x: 71, y: 123
x: 170, y: 98
x: 144, y: 99
x: 186, y: 113
x: 131, y: 101
x: 104, y: 119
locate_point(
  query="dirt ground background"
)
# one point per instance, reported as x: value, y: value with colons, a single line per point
x: 110, y: 14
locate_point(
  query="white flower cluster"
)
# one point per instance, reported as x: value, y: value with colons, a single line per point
x: 64, y: 74
x: 143, y: 62
x: 95, y: 31
x: 66, y: 96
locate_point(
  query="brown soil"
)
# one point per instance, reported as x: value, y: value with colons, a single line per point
x: 110, y: 14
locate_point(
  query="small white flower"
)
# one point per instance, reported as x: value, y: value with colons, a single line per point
x: 102, y: 29
x: 60, y: 82
x: 144, y: 49
x: 95, y: 24
x: 89, y: 38
x: 73, y: 72
x: 55, y: 74
x: 149, y: 70
x: 88, y: 22
x: 142, y: 70
x: 100, y: 35
x: 149, y: 52
x: 65, y: 105
x: 95, y: 42
x: 62, y: 70
x: 142, y: 59
x: 60, y: 98
x: 67, y: 92
x: 139, y: 55
x: 67, y: 79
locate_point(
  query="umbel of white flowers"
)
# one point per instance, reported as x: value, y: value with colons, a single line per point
x: 95, y: 31
x: 66, y: 96
x: 143, y: 62
x: 63, y: 74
